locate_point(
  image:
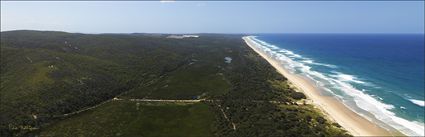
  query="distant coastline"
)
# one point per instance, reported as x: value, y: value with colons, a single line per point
x: 334, y: 109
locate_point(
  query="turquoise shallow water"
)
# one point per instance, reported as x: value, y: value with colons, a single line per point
x: 380, y: 74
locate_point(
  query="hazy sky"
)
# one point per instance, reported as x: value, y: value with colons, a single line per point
x: 215, y: 17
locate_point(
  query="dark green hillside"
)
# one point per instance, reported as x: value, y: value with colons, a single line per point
x: 49, y: 79
x: 138, y: 119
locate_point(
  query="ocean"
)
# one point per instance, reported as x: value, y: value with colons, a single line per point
x: 379, y: 76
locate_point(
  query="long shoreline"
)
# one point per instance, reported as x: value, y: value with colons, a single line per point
x: 333, y: 109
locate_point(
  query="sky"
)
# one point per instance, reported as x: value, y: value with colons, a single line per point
x: 215, y: 17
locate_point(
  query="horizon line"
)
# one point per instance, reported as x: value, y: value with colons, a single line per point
x: 245, y: 33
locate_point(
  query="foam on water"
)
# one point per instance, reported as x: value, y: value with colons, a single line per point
x: 290, y: 54
x: 347, y: 78
x: 308, y: 61
x: 418, y: 102
x: 339, y: 84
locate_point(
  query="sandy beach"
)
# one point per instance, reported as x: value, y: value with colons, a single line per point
x: 334, y: 109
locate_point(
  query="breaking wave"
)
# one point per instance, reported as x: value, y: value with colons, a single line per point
x: 418, y: 102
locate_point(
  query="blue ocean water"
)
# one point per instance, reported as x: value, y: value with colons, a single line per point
x: 376, y: 75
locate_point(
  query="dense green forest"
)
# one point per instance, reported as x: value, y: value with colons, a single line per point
x: 47, y: 75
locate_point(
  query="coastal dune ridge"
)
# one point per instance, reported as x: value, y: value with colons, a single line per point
x: 312, y: 84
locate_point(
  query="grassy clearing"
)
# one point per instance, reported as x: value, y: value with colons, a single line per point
x: 124, y: 118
